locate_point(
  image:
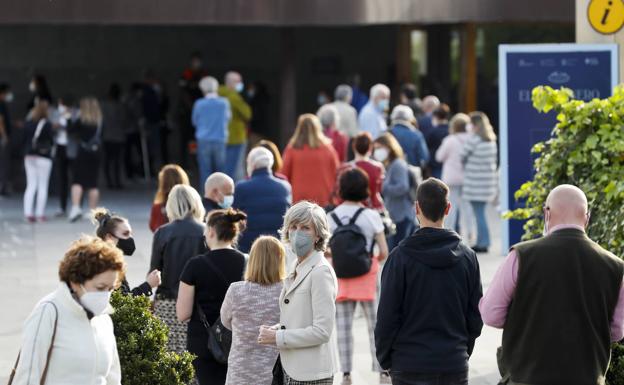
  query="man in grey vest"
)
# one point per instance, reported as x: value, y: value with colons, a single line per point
x: 558, y: 299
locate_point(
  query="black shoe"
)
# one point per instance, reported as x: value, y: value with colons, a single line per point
x: 479, y: 249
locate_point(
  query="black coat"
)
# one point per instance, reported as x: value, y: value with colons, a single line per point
x: 174, y: 244
x: 428, y: 316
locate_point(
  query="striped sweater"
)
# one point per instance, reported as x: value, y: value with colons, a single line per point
x: 480, y: 174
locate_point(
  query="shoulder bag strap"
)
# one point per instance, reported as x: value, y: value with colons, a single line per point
x: 45, y: 370
x: 200, y: 311
x: 40, y: 126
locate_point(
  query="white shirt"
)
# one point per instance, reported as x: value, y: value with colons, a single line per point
x: 84, y: 351
x: 369, y: 221
x: 372, y: 121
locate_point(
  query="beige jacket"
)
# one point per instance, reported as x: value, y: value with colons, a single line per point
x: 307, y: 337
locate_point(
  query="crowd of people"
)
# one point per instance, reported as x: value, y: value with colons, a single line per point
x: 282, y: 247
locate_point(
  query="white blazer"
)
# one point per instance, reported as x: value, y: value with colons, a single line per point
x: 307, y: 338
x: 84, y: 351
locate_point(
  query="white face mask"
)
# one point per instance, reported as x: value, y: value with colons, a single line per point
x: 8, y: 98
x: 227, y: 201
x: 95, y: 301
x: 32, y: 87
x: 380, y: 154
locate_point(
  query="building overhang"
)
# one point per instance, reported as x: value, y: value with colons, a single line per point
x: 283, y: 13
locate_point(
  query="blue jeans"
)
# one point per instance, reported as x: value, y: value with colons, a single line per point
x: 234, y: 154
x: 210, y: 158
x: 483, y: 233
x: 404, y: 229
x: 404, y: 378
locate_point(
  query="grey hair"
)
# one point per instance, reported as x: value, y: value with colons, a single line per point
x: 260, y: 157
x: 402, y: 113
x: 378, y: 89
x: 306, y: 212
x: 343, y: 92
x: 328, y: 115
x: 217, y: 180
x: 184, y: 201
x: 208, y: 85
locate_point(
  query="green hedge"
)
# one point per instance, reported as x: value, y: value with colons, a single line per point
x: 142, y: 341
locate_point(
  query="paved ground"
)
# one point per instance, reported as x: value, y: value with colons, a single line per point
x: 29, y: 256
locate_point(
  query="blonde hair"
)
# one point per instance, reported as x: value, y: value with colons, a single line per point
x: 168, y: 177
x: 482, y: 126
x: 310, y: 213
x: 266, y: 264
x: 90, y: 111
x: 308, y: 132
x: 458, y: 123
x: 184, y: 201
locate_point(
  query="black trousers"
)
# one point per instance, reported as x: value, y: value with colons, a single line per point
x: 133, y: 150
x: 61, y: 164
x: 405, y: 378
x: 113, y: 153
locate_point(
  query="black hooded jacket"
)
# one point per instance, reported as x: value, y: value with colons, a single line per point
x: 428, y: 317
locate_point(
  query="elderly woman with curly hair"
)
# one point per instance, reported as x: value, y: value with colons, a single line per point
x: 306, y: 336
x: 68, y: 338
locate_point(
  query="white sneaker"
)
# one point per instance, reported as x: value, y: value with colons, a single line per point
x: 346, y: 379
x: 385, y: 379
x: 75, y: 214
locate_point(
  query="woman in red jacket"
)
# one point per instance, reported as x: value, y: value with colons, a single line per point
x: 310, y: 162
x: 169, y: 176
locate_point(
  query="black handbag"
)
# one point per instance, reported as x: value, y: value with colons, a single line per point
x: 219, y: 337
x: 278, y: 372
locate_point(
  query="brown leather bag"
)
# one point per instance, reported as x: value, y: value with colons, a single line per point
x: 45, y: 369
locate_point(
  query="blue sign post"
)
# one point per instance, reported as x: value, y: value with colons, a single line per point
x: 591, y: 71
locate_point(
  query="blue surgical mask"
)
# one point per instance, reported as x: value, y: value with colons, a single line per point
x: 301, y: 242
x: 227, y: 201
x: 240, y: 87
x: 383, y: 105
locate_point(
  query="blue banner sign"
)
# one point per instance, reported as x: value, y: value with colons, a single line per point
x: 591, y: 71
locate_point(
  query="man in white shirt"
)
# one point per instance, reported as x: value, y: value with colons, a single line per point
x: 372, y: 117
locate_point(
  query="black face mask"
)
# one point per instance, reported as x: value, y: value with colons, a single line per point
x: 126, y: 245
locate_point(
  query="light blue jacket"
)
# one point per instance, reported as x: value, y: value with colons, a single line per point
x: 395, y: 192
x: 211, y: 116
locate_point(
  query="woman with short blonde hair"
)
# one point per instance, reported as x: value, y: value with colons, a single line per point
x: 309, y: 149
x: 174, y: 244
x: 250, y: 303
x: 184, y: 201
x: 306, y: 331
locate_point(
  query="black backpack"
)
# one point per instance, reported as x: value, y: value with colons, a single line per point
x: 350, y: 256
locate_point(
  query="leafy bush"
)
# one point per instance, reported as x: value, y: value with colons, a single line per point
x: 587, y: 150
x: 141, y: 342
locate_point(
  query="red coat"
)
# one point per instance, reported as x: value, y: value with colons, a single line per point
x: 158, y: 216
x: 311, y: 172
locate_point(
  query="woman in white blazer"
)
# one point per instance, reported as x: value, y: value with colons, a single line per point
x: 306, y: 336
x: 68, y: 338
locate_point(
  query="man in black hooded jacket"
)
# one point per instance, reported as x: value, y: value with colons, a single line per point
x: 428, y: 316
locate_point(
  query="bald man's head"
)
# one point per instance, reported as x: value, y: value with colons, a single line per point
x: 566, y: 205
x: 218, y: 185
